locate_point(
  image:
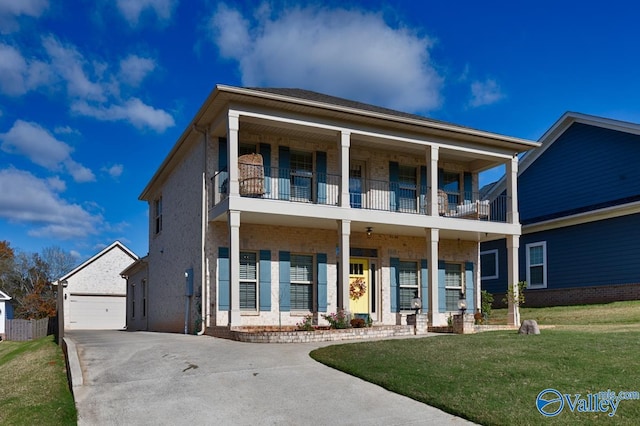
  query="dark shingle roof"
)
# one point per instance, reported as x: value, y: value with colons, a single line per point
x: 334, y: 100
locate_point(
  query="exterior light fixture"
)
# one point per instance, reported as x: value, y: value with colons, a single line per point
x: 369, y: 231
x: 416, y: 304
x: 462, y: 304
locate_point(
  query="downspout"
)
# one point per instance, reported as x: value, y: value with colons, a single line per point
x: 203, y: 237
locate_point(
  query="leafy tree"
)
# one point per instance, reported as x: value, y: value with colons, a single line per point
x: 27, y: 278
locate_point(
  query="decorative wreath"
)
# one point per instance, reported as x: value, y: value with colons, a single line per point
x: 357, y: 289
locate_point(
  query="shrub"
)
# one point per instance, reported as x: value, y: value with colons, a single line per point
x: 486, y: 302
x: 306, y: 324
x: 337, y: 320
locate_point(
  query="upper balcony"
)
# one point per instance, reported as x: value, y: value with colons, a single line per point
x: 296, y: 186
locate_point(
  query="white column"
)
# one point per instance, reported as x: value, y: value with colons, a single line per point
x: 344, y: 227
x: 345, y: 143
x: 513, y: 244
x: 232, y: 152
x: 234, y: 268
x: 432, y: 179
x: 512, y: 190
x: 433, y: 238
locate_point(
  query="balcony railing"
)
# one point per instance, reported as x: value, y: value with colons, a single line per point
x: 322, y: 188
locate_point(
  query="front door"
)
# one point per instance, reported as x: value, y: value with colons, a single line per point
x: 359, y: 286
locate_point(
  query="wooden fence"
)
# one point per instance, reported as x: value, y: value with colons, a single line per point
x: 21, y: 330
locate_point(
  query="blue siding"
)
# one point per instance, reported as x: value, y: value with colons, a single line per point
x: 497, y: 285
x: 597, y: 253
x: 586, y: 166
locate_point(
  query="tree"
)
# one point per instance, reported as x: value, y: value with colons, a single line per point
x: 27, y: 278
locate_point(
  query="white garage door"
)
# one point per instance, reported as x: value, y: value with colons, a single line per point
x: 97, y: 312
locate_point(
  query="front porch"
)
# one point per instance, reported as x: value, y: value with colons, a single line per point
x: 280, y: 184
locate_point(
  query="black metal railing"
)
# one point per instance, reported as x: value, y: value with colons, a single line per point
x: 321, y: 188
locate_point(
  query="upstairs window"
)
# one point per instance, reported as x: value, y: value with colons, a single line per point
x: 157, y: 213
x: 301, y: 165
x: 408, y: 184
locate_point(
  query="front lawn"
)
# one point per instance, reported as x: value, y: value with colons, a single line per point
x: 33, y: 384
x: 493, y: 378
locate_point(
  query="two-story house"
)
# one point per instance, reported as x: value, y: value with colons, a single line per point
x: 275, y: 204
x: 580, y: 211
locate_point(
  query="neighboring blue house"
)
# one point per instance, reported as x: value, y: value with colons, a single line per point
x: 579, y: 204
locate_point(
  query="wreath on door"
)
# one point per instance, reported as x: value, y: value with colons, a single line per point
x: 357, y: 289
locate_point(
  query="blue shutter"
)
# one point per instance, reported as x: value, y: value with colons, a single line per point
x: 222, y: 154
x: 468, y: 186
x: 284, y: 173
x: 321, y: 261
x: 394, y: 271
x: 440, y: 178
x: 265, y: 151
x: 223, y: 278
x: 470, y: 289
x: 394, y: 178
x: 285, y: 283
x: 265, y: 280
x: 424, y: 276
x: 423, y: 189
x: 442, y: 293
x: 321, y: 173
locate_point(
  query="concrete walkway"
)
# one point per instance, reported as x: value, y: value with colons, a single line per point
x: 141, y: 378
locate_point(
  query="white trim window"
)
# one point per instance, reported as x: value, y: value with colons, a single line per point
x: 157, y: 212
x: 453, y: 279
x: 248, y: 281
x: 537, y: 265
x: 301, y: 286
x: 408, y: 284
x: 489, y: 265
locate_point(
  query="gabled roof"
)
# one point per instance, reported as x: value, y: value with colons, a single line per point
x: 114, y: 245
x: 555, y: 131
x: 4, y: 296
x: 136, y: 266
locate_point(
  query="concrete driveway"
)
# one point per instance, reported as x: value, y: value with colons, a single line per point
x: 140, y: 378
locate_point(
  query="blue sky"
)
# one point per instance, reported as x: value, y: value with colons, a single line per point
x: 94, y: 93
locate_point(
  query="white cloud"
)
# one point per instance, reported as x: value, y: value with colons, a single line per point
x: 349, y: 53
x: 485, y: 93
x: 11, y: 10
x: 132, y: 9
x: 114, y: 171
x: 133, y: 69
x: 26, y: 199
x: 134, y: 110
x: 17, y: 75
x: 37, y: 144
x: 56, y: 184
x: 69, y: 64
x: 65, y: 130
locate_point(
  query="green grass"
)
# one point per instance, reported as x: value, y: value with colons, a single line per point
x: 493, y: 378
x: 33, y: 384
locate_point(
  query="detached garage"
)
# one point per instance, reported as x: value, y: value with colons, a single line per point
x: 95, y: 295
